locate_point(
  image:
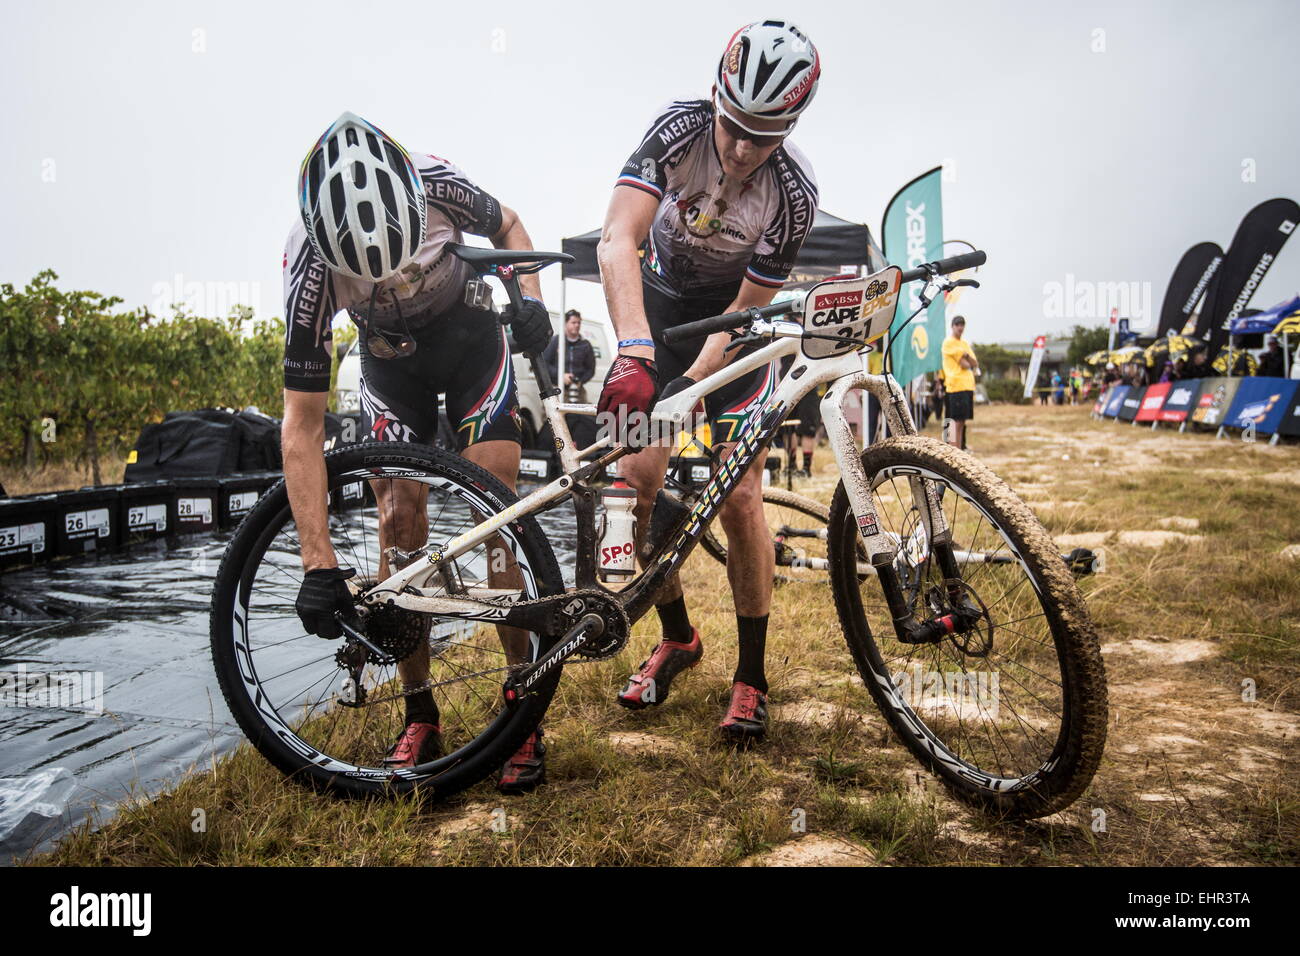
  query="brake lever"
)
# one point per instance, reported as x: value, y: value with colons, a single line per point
x: 749, y: 338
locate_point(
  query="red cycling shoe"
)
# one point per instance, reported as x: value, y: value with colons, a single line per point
x: 746, y: 719
x: 527, y: 768
x: 419, y: 742
x: 649, y: 685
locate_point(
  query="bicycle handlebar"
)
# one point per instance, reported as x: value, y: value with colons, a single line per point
x: 967, y: 260
x: 731, y: 320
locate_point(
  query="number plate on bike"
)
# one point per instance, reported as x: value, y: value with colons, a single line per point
x: 844, y: 314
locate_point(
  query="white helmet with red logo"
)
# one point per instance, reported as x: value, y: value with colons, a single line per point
x: 361, y: 201
x: 769, y: 70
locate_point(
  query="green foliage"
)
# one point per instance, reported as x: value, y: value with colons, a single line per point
x: 1084, y: 341
x: 70, y: 357
x: 1004, y: 390
x: 998, y: 361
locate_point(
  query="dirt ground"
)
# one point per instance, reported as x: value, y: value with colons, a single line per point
x: 1199, y: 613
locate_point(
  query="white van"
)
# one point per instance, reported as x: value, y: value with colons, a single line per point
x: 599, y: 332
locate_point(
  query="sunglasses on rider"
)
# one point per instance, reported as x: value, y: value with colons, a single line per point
x: 737, y: 130
x: 378, y: 341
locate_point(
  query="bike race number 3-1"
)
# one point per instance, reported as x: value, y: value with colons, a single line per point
x: 844, y: 313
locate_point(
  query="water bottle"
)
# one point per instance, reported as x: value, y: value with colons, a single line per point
x: 616, y: 560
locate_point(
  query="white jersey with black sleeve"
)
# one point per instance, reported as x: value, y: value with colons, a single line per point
x: 431, y: 284
x: 711, y: 230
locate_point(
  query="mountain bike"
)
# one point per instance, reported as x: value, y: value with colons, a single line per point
x: 970, y: 634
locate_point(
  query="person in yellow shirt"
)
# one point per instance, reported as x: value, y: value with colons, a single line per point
x: 959, y: 367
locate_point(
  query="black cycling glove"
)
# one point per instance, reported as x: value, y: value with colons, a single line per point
x: 530, y: 325
x: 324, y: 592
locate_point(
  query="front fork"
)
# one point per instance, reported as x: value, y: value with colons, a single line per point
x: 880, y: 548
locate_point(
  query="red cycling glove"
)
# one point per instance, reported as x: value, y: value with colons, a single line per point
x: 631, y: 387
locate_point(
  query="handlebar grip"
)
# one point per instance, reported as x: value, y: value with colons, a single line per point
x: 720, y: 323
x: 967, y: 260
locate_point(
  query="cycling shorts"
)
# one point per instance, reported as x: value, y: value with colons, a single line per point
x: 462, y: 353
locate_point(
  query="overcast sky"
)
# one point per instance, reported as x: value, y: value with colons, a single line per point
x: 148, y: 141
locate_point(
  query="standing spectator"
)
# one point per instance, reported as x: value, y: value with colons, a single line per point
x: 1076, y: 385
x: 1111, y: 377
x: 579, y: 367
x: 1198, y: 366
x: 959, y: 366
x: 1058, y: 389
x: 579, y: 358
x: 1270, y: 363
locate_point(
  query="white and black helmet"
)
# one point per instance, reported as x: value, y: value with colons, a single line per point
x: 361, y: 200
x: 769, y: 70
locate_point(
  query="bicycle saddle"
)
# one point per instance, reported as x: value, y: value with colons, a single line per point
x: 484, y: 259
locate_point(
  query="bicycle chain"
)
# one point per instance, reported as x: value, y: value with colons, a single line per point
x: 564, y: 616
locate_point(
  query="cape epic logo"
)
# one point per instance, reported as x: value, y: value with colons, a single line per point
x: 836, y: 308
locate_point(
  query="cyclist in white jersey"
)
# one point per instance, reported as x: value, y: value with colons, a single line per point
x: 372, y: 240
x: 722, y: 203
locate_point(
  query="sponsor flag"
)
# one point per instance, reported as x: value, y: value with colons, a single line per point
x: 1035, y: 363
x: 1259, y: 239
x: 913, y: 234
x: 1263, y: 401
x: 1187, y: 286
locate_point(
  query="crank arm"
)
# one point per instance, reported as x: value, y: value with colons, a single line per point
x: 591, y: 626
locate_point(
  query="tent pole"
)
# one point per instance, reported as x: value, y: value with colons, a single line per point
x: 560, y: 349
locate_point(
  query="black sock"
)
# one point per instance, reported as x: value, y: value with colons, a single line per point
x: 421, y: 707
x: 676, y: 624
x: 752, y: 632
x: 807, y: 461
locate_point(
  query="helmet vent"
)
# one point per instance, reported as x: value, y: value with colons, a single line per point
x: 375, y: 259
x: 350, y: 137
x: 359, y: 175
x: 373, y: 143
x: 350, y: 254
x: 394, y: 244
x: 367, y: 213
x: 386, y: 194
x: 334, y: 150
x: 337, y: 201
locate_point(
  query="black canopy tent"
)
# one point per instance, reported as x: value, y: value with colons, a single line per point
x: 833, y: 244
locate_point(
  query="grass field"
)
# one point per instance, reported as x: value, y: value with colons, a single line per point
x: 1196, y: 604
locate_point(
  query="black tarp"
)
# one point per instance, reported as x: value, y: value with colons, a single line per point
x: 832, y: 244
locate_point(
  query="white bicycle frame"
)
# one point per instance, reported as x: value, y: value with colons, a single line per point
x: 845, y: 373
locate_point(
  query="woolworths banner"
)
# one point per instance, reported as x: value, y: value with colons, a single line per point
x: 913, y: 234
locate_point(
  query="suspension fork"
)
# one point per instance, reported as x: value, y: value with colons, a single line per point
x: 881, y: 551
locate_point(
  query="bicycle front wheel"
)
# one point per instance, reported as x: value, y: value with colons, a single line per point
x: 298, y: 697
x: 1011, y: 715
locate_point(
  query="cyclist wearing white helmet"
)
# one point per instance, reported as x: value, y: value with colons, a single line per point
x: 722, y: 202
x: 375, y: 222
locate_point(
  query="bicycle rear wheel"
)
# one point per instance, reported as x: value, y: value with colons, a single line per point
x: 289, y: 690
x: 1012, y: 715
